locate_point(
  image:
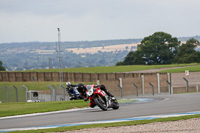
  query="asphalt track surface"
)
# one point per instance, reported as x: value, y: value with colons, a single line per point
x: 158, y: 105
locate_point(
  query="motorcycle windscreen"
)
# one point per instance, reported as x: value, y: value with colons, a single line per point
x: 89, y: 90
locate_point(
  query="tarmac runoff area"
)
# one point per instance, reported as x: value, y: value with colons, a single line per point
x: 122, y: 102
x: 106, y: 121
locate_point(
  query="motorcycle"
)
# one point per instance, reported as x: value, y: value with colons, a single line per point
x: 99, y: 97
x: 75, y: 95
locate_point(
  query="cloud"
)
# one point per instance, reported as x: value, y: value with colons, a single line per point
x: 38, y: 20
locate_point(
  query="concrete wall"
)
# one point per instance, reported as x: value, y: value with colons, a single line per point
x: 129, y: 89
x: 112, y: 87
x: 184, y: 89
x: 54, y: 76
x: 111, y: 80
x: 193, y: 78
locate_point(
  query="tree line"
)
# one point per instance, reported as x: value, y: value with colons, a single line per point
x: 1, y: 67
x: 162, y: 48
x: 159, y: 48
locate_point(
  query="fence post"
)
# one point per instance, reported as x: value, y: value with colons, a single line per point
x: 143, y: 84
x: 55, y: 92
x: 26, y: 92
x: 170, y: 86
x: 120, y: 89
x: 136, y: 89
x: 187, y: 84
x: 120, y: 84
x: 51, y: 92
x: 16, y: 93
x: 152, y: 88
x: 158, y: 78
x: 172, y: 91
x: 7, y: 93
x: 197, y: 88
x: 98, y: 82
x: 63, y: 92
x: 170, y: 81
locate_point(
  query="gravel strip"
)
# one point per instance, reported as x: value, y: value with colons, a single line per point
x: 181, y: 126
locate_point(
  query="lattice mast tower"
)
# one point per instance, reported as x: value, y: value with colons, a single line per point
x: 59, y: 56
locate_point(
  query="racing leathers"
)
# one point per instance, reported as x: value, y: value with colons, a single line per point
x: 70, y: 91
x: 82, y: 91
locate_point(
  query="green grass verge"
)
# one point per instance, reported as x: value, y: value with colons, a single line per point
x: 11, y: 109
x: 62, y: 129
x: 127, y: 100
x: 179, y: 70
x: 21, y: 108
x: 112, y: 69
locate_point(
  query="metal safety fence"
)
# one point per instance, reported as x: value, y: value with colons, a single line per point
x: 13, y: 94
x: 23, y: 94
x: 58, y: 93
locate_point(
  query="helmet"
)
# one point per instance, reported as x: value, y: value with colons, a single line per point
x: 80, y: 85
x: 68, y: 83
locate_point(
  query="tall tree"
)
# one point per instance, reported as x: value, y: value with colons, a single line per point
x: 159, y: 48
x: 1, y: 67
x: 187, y: 52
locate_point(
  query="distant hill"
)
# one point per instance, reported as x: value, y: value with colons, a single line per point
x: 77, y: 44
x: 184, y: 39
x: 81, y: 44
x: 41, y: 55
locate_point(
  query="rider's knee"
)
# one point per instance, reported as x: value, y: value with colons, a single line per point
x: 92, y: 105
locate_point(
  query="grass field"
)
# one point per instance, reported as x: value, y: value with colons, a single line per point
x: 112, y: 69
x: 35, y: 85
x: 191, y: 69
x: 10, y: 109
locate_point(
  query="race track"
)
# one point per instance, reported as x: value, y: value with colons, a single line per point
x: 160, y: 104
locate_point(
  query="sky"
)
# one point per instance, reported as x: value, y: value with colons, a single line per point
x: 88, y: 20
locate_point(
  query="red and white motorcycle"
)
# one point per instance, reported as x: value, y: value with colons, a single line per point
x: 99, y: 97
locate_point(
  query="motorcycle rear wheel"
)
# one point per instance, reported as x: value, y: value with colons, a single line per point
x: 99, y: 101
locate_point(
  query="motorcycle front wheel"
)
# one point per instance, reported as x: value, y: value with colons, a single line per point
x: 101, y: 102
x: 115, y: 105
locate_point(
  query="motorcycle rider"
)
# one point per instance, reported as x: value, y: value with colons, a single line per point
x: 70, y: 89
x: 82, y: 90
